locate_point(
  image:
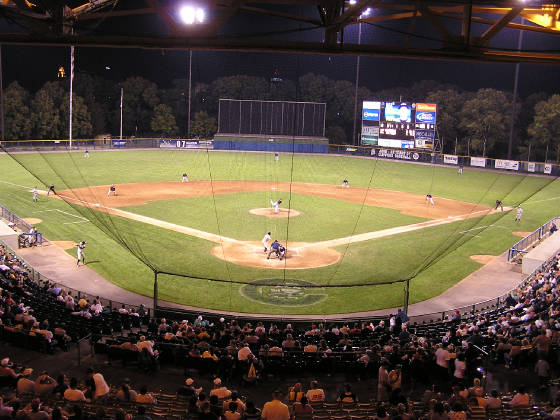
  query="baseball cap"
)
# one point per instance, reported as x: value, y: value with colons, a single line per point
x: 217, y: 381
x: 189, y: 381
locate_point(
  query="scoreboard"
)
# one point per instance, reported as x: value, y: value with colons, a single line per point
x: 401, y: 125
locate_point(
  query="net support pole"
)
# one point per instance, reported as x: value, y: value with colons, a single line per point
x: 357, y: 82
x: 70, y: 98
x: 155, y: 291
x: 1, y: 98
x: 189, y: 96
x: 406, y: 295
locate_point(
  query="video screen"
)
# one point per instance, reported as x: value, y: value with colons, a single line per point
x: 398, y: 112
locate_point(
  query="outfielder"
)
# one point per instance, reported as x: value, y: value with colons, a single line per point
x: 35, y: 194
x: 430, y: 199
x: 184, y: 178
x: 81, y: 254
x: 265, y: 241
x: 86, y: 154
x: 499, y: 204
x: 518, y: 214
x: 276, y: 157
x: 112, y: 189
x: 276, y: 205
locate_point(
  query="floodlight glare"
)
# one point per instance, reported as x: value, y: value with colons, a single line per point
x: 191, y: 15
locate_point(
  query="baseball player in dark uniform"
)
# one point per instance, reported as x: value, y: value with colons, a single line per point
x: 51, y: 188
x: 274, y: 247
x: 499, y: 204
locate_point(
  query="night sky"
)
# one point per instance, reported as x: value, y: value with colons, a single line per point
x: 33, y: 66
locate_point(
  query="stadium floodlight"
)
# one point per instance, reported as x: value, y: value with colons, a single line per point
x: 192, y: 14
x: 366, y: 13
x: 352, y: 2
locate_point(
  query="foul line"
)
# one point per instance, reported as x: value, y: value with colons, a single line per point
x: 542, y: 201
x: 82, y: 219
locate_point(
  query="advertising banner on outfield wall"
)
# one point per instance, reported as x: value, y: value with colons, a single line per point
x: 531, y: 166
x: 451, y: 159
x: 548, y: 168
x: 395, y: 154
x: 480, y: 162
x: 507, y: 164
x: 185, y: 144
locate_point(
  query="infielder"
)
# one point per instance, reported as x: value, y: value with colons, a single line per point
x: 35, y: 194
x: 281, y: 252
x: 499, y: 204
x: 345, y: 184
x: 430, y: 199
x: 81, y: 254
x: 112, y: 189
x: 518, y: 214
x: 184, y: 178
x: 51, y: 188
x: 265, y: 241
x: 276, y: 205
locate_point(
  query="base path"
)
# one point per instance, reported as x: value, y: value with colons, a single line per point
x: 300, y: 256
x: 140, y: 193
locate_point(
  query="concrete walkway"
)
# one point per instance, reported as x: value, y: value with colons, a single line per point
x: 492, y: 280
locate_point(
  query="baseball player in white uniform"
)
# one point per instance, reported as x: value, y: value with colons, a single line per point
x: 276, y: 205
x: 430, y: 199
x: 345, y: 184
x: 266, y: 240
x: 81, y: 254
x: 86, y: 154
x: 34, y: 194
x: 184, y: 178
x: 518, y: 214
x: 276, y: 157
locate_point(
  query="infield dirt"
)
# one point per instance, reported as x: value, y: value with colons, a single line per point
x: 299, y: 255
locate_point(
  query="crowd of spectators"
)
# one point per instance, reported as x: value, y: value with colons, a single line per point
x: 446, y: 358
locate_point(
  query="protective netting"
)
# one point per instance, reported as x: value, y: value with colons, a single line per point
x: 205, y: 234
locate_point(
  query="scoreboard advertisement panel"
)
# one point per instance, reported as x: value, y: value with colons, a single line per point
x: 402, y: 125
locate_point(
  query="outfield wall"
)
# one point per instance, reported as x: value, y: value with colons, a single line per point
x: 410, y: 155
x: 284, y: 144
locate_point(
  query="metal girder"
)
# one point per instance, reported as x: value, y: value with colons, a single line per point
x: 51, y: 21
x: 223, y: 44
x: 499, y: 25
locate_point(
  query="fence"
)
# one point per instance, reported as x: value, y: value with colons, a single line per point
x: 521, y: 246
x: 428, y: 157
x: 12, y: 218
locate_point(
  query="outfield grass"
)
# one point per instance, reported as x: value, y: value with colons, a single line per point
x: 442, y: 249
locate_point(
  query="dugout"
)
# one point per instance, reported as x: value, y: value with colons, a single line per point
x: 274, y: 126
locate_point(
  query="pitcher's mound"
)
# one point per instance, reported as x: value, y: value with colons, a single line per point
x: 251, y: 254
x: 269, y: 212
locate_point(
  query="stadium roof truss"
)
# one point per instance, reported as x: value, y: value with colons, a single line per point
x: 463, y: 30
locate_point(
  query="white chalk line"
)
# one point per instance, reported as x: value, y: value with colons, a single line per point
x: 329, y: 243
x: 541, y: 201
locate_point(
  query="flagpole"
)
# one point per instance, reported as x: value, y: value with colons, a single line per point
x: 71, y: 82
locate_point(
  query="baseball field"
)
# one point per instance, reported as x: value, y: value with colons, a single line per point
x: 348, y: 249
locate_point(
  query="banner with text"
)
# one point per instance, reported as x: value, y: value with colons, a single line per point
x: 548, y: 168
x: 507, y: 164
x: 185, y: 144
x: 531, y: 167
x: 451, y: 159
x: 480, y: 162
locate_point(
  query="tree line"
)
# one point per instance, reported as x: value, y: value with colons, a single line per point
x: 469, y: 122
